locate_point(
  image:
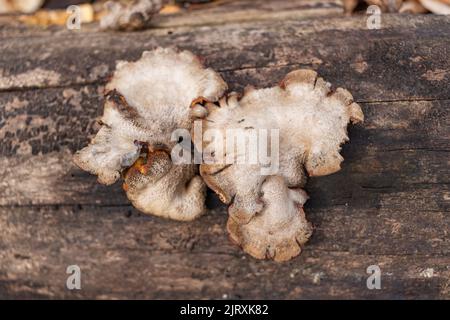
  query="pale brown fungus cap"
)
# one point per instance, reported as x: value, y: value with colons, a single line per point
x: 145, y: 102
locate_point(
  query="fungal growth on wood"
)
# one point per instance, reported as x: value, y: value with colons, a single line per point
x: 145, y: 102
x: 265, y: 213
x: 130, y: 14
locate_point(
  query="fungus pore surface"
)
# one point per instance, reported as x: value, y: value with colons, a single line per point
x: 265, y: 213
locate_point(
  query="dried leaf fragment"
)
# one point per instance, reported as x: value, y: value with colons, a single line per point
x: 58, y: 17
x: 24, y: 6
x: 412, y: 6
x: 165, y: 90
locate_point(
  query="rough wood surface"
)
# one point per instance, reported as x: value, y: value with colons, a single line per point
x: 389, y: 205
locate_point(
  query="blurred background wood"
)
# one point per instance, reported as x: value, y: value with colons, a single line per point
x: 389, y: 205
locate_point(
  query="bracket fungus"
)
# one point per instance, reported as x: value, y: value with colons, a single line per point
x: 265, y: 213
x: 130, y: 14
x: 145, y: 102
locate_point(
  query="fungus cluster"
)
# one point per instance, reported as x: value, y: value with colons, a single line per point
x: 167, y: 90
